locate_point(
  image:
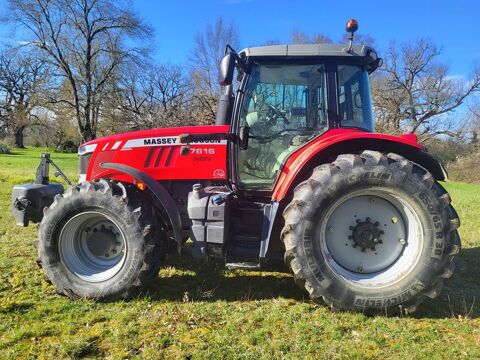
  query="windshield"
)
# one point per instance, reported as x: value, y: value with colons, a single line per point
x: 284, y: 107
x: 354, y: 105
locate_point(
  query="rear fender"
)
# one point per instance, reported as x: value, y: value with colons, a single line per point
x: 300, y: 165
x: 159, y: 192
x: 325, y: 149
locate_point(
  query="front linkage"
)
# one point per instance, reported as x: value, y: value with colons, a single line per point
x: 29, y: 200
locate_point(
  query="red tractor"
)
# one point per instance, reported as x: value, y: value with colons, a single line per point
x: 293, y: 163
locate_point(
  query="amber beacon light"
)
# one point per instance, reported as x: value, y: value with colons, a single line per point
x: 352, y: 26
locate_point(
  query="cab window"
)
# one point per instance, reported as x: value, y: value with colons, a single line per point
x: 354, y: 103
x: 284, y: 107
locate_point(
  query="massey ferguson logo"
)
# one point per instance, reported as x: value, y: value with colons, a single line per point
x: 166, y: 141
x: 160, y: 141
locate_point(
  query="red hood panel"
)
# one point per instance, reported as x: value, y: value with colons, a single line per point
x: 157, y: 153
x: 212, y: 129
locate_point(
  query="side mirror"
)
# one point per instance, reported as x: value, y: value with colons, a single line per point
x: 243, y: 133
x: 225, y: 71
x: 373, y: 61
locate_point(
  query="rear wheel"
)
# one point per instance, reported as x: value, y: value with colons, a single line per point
x: 371, y: 233
x: 101, y: 240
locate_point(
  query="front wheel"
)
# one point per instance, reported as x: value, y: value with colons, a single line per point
x: 101, y: 240
x: 371, y: 233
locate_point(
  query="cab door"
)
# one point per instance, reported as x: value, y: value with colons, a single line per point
x: 284, y: 107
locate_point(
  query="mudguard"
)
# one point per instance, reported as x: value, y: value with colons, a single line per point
x: 325, y: 148
x: 157, y: 190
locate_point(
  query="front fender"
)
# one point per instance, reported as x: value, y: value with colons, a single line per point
x: 160, y: 193
x: 327, y: 147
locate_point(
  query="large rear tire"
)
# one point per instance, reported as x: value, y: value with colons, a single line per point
x: 101, y: 240
x: 372, y: 232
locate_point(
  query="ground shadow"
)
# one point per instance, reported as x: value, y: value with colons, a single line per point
x: 200, y: 281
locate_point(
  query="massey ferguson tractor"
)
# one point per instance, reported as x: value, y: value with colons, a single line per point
x: 293, y: 165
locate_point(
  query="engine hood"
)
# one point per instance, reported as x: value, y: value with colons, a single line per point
x: 169, y: 135
x: 159, y: 154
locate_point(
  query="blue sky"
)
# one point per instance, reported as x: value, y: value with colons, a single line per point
x: 453, y: 25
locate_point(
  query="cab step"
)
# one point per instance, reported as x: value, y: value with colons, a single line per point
x: 243, y: 248
x: 243, y: 265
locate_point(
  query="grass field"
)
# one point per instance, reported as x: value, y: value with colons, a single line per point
x: 199, y: 311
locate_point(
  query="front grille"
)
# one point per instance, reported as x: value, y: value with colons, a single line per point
x: 83, y: 163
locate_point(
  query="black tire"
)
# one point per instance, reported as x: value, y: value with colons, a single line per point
x: 353, y: 173
x: 137, y: 220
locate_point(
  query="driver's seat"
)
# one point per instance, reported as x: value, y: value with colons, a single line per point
x: 252, y: 118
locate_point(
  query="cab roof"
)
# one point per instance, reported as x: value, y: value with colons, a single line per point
x: 305, y: 50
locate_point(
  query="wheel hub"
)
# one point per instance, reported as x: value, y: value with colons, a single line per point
x: 361, y: 235
x: 102, y: 242
x: 366, y: 234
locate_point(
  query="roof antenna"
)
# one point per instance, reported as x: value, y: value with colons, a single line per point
x: 351, y: 27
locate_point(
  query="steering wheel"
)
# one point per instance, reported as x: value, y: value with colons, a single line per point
x: 268, y: 138
x: 277, y: 114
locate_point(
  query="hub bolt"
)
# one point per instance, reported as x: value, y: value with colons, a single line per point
x: 402, y: 241
x: 394, y: 220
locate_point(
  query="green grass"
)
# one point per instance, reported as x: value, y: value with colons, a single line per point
x: 202, y: 311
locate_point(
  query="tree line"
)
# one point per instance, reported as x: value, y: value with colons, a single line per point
x: 79, y: 69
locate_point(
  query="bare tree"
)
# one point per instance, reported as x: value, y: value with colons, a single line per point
x: 21, y: 78
x: 361, y: 39
x: 158, y: 97
x: 205, y: 59
x: 300, y: 37
x: 131, y: 105
x: 86, y: 41
x: 173, y: 92
x: 413, y: 92
x: 474, y: 120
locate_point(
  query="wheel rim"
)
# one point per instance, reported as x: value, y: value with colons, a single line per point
x: 92, y: 246
x: 372, y: 238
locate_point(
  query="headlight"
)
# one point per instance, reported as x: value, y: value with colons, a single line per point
x: 85, y: 154
x: 85, y: 149
x: 83, y: 162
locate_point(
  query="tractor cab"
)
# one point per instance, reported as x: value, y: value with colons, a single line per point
x: 289, y: 95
